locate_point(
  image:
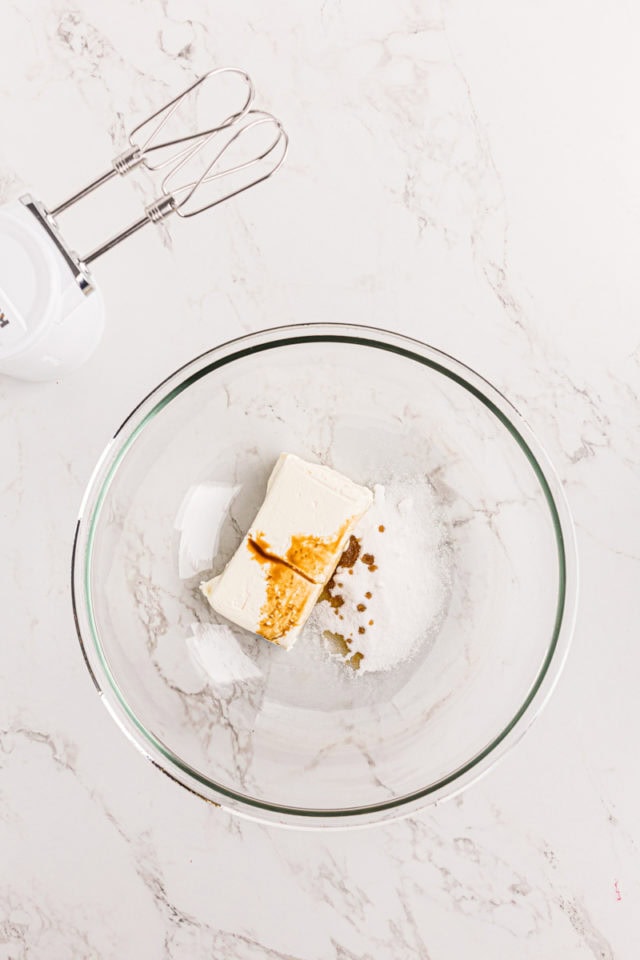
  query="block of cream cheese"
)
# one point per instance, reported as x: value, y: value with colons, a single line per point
x: 275, y: 577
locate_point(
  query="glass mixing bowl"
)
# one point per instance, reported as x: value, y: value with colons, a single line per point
x: 296, y: 737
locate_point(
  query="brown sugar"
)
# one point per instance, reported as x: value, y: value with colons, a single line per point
x: 333, y: 599
x: 351, y: 553
x: 340, y: 600
x: 338, y: 643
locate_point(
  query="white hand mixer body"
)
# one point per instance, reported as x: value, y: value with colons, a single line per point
x: 49, y: 322
x: 51, y: 311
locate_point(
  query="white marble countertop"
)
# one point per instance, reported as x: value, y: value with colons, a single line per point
x: 463, y: 172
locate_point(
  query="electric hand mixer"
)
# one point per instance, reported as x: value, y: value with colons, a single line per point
x: 51, y: 311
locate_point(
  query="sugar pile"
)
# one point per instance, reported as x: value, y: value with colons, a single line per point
x: 390, y: 588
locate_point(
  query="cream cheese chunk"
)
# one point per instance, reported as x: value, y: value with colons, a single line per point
x: 274, y: 579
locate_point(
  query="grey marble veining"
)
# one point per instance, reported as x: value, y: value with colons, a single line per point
x: 464, y: 173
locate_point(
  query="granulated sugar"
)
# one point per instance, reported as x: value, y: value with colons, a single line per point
x: 391, y: 586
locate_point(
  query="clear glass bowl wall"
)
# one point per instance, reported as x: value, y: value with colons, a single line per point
x: 304, y: 741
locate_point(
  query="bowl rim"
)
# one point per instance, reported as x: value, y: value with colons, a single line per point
x: 106, y: 468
